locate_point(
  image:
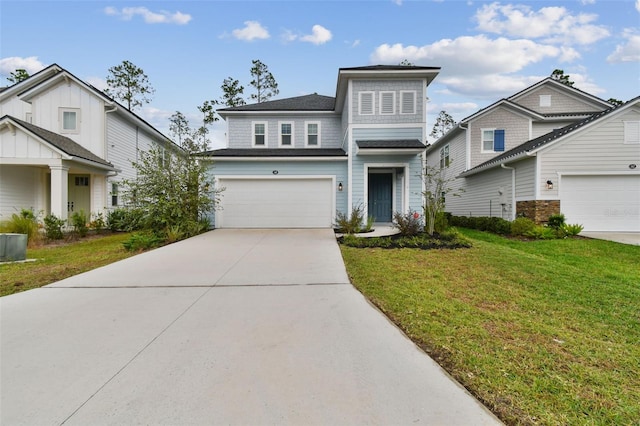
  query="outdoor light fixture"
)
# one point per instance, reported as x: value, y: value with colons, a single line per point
x: 340, y: 187
x: 549, y: 184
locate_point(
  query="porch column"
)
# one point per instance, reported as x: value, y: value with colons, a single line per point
x: 59, y: 190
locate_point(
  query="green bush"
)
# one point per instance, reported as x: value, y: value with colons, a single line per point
x: 79, y: 223
x: 572, y: 230
x: 556, y: 221
x: 521, y: 226
x: 23, y: 223
x: 352, y: 223
x: 98, y: 223
x: 540, y: 232
x: 441, y: 222
x: 408, y: 224
x: 53, y: 227
x: 125, y: 219
x: 142, y: 241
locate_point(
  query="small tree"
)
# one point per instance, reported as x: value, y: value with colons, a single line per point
x: 128, y: 83
x: 231, y: 93
x: 263, y: 81
x: 443, y: 124
x: 208, y: 118
x: 405, y: 63
x: 561, y: 77
x: 437, y: 186
x: 179, y: 126
x: 18, y: 75
x: 615, y: 102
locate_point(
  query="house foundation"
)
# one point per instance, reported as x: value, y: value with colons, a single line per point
x: 538, y: 210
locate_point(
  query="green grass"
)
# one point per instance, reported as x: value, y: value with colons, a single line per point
x: 542, y: 332
x: 56, y: 262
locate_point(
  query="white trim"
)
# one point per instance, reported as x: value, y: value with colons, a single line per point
x: 61, y: 111
x: 389, y: 151
x: 381, y: 103
x: 222, y: 159
x: 415, y: 104
x: 373, y: 102
x: 388, y: 126
x: 349, y: 146
x: 603, y: 173
x: 392, y: 168
x: 482, y: 150
x: 253, y: 133
x: 306, y: 134
x: 280, y: 134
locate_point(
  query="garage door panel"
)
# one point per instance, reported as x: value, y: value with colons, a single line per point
x: 602, y: 203
x: 276, y: 203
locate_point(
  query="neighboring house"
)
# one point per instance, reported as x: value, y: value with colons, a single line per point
x: 64, y: 146
x: 548, y: 149
x: 296, y: 162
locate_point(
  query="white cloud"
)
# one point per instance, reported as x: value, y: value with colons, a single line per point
x: 585, y: 2
x: 319, y: 35
x: 628, y: 52
x: 97, y: 82
x: 551, y: 24
x: 398, y: 2
x: 252, y: 30
x: 456, y: 107
x: 149, y: 17
x: 638, y: 5
x: 30, y: 64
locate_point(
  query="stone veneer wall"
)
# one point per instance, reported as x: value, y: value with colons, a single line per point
x: 538, y: 210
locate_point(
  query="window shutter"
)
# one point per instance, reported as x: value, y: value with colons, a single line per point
x: 408, y: 103
x: 632, y: 132
x: 386, y: 103
x: 498, y: 140
x: 366, y: 103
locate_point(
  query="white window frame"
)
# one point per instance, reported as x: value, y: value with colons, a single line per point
x: 403, y: 93
x: 493, y: 140
x: 280, y: 134
x: 545, y: 101
x: 307, y: 134
x: 373, y: 103
x: 253, y: 134
x: 383, y: 94
x: 61, y: 112
x: 444, y: 156
x: 631, y: 132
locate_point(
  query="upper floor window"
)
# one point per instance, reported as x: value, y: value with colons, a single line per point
x: 286, y: 134
x: 387, y: 103
x: 69, y: 120
x: 114, y: 194
x: 365, y: 103
x: 444, y: 156
x: 492, y: 140
x: 259, y: 133
x: 632, y: 132
x: 545, y: 100
x: 312, y: 135
x: 408, y: 102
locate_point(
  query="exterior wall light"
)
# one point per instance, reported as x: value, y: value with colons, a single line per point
x: 549, y: 184
x: 340, y: 187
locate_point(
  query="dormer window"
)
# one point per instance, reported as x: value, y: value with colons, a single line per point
x: 69, y: 120
x: 387, y: 103
x: 365, y: 103
x: 492, y: 140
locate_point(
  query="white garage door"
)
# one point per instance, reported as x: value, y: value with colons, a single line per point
x: 602, y: 203
x: 276, y: 203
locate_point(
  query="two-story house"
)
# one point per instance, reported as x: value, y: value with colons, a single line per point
x: 65, y: 145
x: 548, y: 149
x: 296, y: 162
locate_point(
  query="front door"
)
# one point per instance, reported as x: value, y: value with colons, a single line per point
x: 79, y: 194
x: 380, y: 196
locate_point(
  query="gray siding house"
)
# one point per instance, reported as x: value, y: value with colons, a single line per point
x: 548, y: 149
x: 296, y: 162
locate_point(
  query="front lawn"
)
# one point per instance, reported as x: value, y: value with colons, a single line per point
x: 56, y: 262
x: 542, y: 332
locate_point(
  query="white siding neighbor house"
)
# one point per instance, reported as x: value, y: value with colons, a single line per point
x: 296, y: 162
x: 548, y: 149
x: 64, y: 145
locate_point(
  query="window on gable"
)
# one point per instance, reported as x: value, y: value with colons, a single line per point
x: 365, y: 103
x: 387, y: 103
x: 631, y: 132
x: 259, y: 136
x: 444, y: 156
x: 545, y: 100
x: 313, y: 134
x: 492, y: 140
x: 69, y: 120
x: 286, y: 134
x: 408, y: 102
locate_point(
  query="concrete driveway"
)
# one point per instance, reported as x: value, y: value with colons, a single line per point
x: 230, y: 327
x: 632, y: 238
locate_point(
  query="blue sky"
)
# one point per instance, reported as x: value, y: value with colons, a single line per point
x: 487, y: 50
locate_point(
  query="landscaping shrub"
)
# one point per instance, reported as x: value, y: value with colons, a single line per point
x: 540, y: 232
x: 449, y: 239
x: 142, y: 241
x: 23, y: 223
x: 408, y: 224
x: 125, y: 219
x: 521, y: 226
x: 441, y: 222
x: 572, y: 230
x: 79, y: 223
x: 556, y: 221
x: 53, y: 227
x: 98, y: 223
x: 350, y: 223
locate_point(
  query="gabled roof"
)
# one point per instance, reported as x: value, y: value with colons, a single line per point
x: 275, y: 152
x: 313, y: 102
x: 63, y: 143
x: 564, y: 87
x: 538, y: 143
x: 33, y: 80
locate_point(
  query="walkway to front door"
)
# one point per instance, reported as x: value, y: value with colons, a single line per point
x: 380, y: 196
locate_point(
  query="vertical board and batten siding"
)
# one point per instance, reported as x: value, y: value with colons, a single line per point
x: 516, y: 132
x: 387, y: 85
x: 221, y: 168
x: 598, y: 149
x: 240, y: 131
x: 21, y: 145
x: 15, y: 108
x: 560, y: 102
x: 46, y: 114
x: 481, y: 196
x: 21, y: 189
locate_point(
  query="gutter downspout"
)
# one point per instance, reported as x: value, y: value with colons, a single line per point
x: 467, y: 140
x: 513, y: 189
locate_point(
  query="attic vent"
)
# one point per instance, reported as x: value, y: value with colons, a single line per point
x: 365, y: 106
x: 387, y: 103
x: 545, y: 100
